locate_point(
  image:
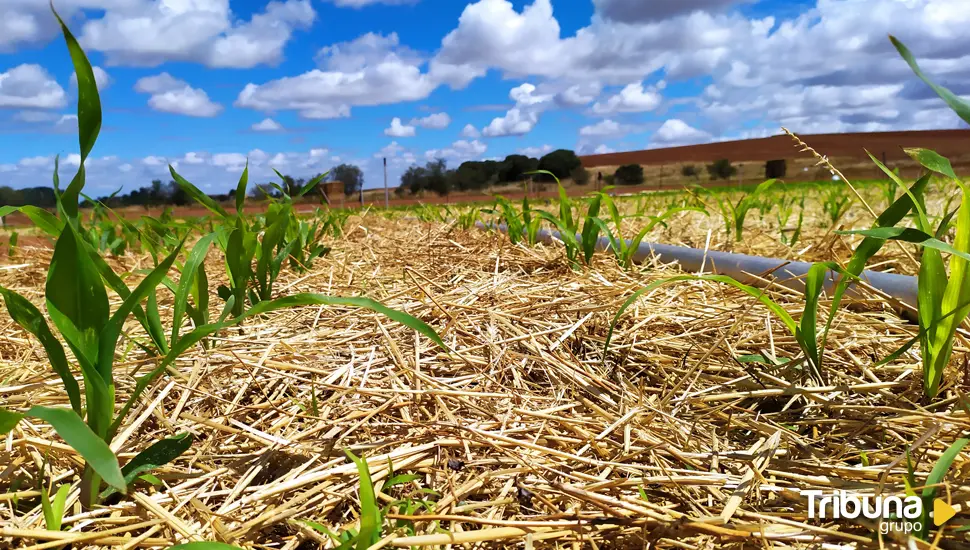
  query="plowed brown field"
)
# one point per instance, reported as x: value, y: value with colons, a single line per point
x: 890, y: 144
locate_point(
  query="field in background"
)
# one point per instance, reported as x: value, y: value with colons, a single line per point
x: 663, y: 167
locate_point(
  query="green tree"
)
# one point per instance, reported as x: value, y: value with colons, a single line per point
x: 439, y: 178
x: 560, y: 162
x: 514, y: 167
x: 350, y: 175
x: 472, y: 175
x: 413, y: 180
x: 177, y: 195
x: 10, y: 197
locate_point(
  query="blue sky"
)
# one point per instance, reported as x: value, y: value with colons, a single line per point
x: 301, y: 85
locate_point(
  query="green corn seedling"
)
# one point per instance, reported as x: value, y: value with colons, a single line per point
x: 944, y: 298
x: 12, y: 244
x: 626, y: 250
x: 53, y: 508
x: 734, y: 214
x: 835, y: 203
x: 804, y: 331
x: 568, y: 225
x: 785, y: 211
x: 247, y: 241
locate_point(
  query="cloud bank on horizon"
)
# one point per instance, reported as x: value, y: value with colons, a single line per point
x: 300, y: 86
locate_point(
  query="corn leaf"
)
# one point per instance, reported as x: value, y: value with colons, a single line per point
x: 955, y: 298
x: 88, y: 115
x: 44, y: 220
x: 54, y: 510
x: 108, y: 338
x: 311, y: 184
x: 910, y: 235
x: 923, y: 222
x: 806, y: 331
x: 241, y: 189
x: 158, y: 454
x: 192, y: 270
x: 30, y: 318
x: 936, y: 477
x: 75, y: 433
x: 933, y: 161
x: 76, y: 298
x: 959, y: 106
x: 370, y: 515
x: 197, y: 194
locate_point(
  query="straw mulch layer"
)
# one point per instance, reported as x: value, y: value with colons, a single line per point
x: 525, y: 434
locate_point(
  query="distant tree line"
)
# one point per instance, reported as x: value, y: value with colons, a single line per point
x: 436, y: 177
x: 159, y: 193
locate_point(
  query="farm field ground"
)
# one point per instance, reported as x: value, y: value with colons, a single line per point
x: 524, y: 433
x: 276, y: 379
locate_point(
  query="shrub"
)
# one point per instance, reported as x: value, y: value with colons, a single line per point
x: 629, y: 174
x: 560, y: 163
x: 580, y: 176
x: 721, y: 169
x: 689, y: 171
x: 776, y: 169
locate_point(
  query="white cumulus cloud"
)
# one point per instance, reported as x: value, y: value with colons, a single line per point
x: 397, y: 129
x: 30, y: 86
x: 171, y: 95
x: 267, y: 125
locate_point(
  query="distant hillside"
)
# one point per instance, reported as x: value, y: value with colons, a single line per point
x: 888, y: 144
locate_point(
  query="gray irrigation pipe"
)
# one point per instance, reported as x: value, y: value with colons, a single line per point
x: 747, y: 269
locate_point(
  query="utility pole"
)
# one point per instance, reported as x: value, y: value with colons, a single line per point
x: 387, y: 197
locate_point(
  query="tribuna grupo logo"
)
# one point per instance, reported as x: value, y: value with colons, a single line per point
x: 894, y: 513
